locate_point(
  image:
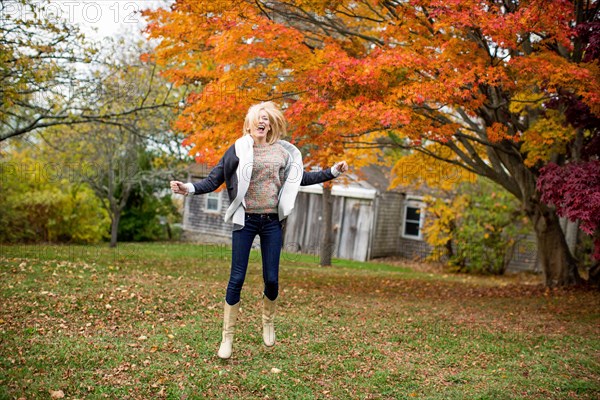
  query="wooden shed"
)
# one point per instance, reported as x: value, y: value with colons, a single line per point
x: 365, y: 221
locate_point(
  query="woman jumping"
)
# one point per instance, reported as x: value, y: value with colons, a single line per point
x: 263, y: 174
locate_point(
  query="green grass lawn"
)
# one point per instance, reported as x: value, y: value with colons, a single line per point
x: 144, y: 322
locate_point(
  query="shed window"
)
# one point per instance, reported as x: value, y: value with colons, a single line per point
x: 413, y: 220
x: 213, y: 201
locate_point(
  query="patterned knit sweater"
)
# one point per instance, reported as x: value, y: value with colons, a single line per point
x: 268, y: 174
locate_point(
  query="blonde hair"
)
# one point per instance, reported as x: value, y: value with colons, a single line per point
x: 277, y: 121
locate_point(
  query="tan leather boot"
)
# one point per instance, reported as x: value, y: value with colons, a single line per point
x: 229, y: 320
x: 267, y: 319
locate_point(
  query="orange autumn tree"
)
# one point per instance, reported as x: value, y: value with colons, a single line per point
x: 473, y: 76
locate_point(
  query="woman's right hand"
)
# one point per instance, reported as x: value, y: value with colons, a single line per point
x: 178, y: 188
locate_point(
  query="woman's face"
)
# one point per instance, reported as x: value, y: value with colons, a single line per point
x: 260, y: 130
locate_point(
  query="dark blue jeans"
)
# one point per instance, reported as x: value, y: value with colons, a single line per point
x: 269, y: 229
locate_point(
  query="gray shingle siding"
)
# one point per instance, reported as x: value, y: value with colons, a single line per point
x: 388, y: 225
x: 413, y: 249
x: 207, y: 222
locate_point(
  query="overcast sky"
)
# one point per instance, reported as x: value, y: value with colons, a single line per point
x: 102, y: 18
x: 97, y: 18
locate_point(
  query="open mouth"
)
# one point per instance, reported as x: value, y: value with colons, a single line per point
x: 261, y: 128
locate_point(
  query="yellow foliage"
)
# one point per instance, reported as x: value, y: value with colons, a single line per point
x: 546, y: 137
x: 439, y: 229
x: 525, y: 99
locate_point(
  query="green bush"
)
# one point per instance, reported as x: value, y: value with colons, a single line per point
x: 148, y: 217
x: 476, y: 230
x: 38, y: 207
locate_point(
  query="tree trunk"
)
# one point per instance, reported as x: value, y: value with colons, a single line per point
x: 594, y: 275
x: 559, y: 266
x: 327, y: 242
x: 169, y: 232
x: 114, y: 228
x: 557, y: 262
x: 570, y: 230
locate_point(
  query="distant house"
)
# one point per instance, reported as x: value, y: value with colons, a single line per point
x: 369, y: 221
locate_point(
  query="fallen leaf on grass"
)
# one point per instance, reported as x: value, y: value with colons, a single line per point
x: 57, y: 394
x: 275, y: 370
